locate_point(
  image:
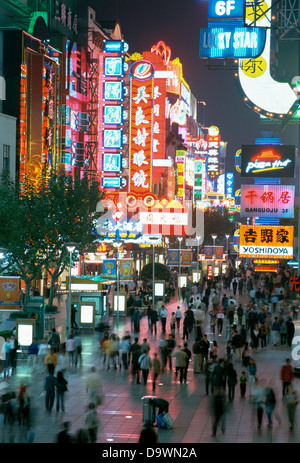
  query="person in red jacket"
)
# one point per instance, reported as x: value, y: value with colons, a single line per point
x: 286, y: 375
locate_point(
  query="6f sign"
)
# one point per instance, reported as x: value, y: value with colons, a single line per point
x: 225, y: 9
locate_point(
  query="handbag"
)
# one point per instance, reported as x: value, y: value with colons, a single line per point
x: 168, y: 420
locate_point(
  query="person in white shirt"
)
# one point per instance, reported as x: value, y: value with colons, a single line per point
x: 42, y: 354
x: 70, y: 348
x: 178, y: 316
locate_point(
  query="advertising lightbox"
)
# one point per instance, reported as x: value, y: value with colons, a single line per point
x: 275, y: 201
x: 232, y: 42
x: 266, y: 241
x: 226, y: 10
x: 268, y: 161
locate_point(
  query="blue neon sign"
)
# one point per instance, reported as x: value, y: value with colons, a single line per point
x: 113, y: 114
x: 112, y: 162
x: 113, y: 138
x: 113, y: 90
x: 226, y: 9
x: 232, y: 42
x: 114, y: 66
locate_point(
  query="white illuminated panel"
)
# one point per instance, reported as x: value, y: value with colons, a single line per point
x: 87, y: 314
x: 182, y: 281
x: 121, y: 303
x: 159, y: 289
x: 161, y: 218
x: 256, y: 81
x: 25, y: 334
x: 84, y: 287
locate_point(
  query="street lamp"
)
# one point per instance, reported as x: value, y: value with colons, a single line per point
x: 214, y: 240
x: 227, y: 238
x: 117, y: 244
x: 71, y: 248
x: 198, y: 237
x: 179, y: 261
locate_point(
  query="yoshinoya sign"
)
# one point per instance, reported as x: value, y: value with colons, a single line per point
x: 231, y: 42
x: 275, y: 201
x: 268, y: 161
x: 266, y: 241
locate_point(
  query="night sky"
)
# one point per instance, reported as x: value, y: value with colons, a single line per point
x: 177, y: 23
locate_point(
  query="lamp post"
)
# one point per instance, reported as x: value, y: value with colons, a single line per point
x: 214, y: 240
x: 117, y: 244
x: 71, y: 248
x: 198, y: 237
x: 153, y: 239
x: 179, y: 261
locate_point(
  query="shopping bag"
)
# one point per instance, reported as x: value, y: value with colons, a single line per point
x: 160, y: 421
x: 168, y: 420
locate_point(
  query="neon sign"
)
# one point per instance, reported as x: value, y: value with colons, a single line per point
x: 113, y: 91
x: 266, y: 241
x: 142, y: 70
x: 267, y: 160
x: 180, y: 161
x: 229, y: 9
x: 141, y: 131
x: 213, y: 153
x: 232, y: 42
x: 267, y: 201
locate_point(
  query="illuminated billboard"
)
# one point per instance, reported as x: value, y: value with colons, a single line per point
x: 213, y: 153
x: 266, y: 241
x: 232, y: 42
x: 268, y: 161
x: 141, y: 130
x: 267, y: 201
x: 229, y: 10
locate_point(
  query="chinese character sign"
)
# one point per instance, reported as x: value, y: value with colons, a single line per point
x: 141, y: 136
x: 213, y: 155
x: 229, y: 185
x: 266, y: 241
x: 267, y: 201
x: 180, y: 162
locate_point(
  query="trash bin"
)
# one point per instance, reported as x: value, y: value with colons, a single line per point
x: 148, y: 409
x: 228, y: 333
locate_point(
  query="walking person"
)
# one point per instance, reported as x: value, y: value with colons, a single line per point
x: 73, y: 317
x: 91, y: 422
x: 42, y: 354
x: 6, y: 352
x: 220, y: 321
x: 270, y: 403
x: 156, y: 368
x: 291, y: 401
x: 61, y: 388
x: 286, y: 375
x: 231, y: 381
x: 196, y: 355
x: 180, y: 363
x: 218, y: 411
x: 153, y: 321
x: 32, y: 354
x: 185, y: 334
x: 276, y: 331
x: 51, y: 361
x: 252, y: 377
x: 163, y: 318
x: 94, y: 387
x: 259, y: 399
x: 70, y: 348
x: 178, y: 316
x: 78, y: 350
x: 243, y: 383
x: 50, y: 391
x: 145, y: 363
x: 189, y: 356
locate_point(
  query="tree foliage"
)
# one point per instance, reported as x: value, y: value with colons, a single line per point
x: 35, y: 224
x: 161, y: 272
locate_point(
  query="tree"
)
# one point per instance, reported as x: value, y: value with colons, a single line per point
x: 161, y: 272
x: 35, y: 224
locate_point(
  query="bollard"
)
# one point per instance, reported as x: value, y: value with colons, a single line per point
x: 148, y: 409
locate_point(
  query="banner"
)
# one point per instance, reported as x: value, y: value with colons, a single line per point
x: 219, y: 250
x: 266, y: 241
x: 9, y: 293
x: 126, y: 267
x: 173, y: 258
x: 209, y: 252
x: 109, y: 269
x: 276, y: 201
x: 186, y: 257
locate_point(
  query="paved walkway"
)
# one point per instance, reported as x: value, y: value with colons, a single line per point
x: 121, y: 411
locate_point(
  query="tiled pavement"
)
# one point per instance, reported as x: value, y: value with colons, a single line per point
x: 121, y: 410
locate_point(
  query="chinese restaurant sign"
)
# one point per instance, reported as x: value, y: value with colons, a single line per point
x: 141, y: 128
x: 266, y: 241
x: 268, y: 161
x: 213, y: 155
x: 267, y: 201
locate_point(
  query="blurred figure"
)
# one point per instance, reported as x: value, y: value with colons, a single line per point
x: 94, y: 387
x: 156, y: 367
x: 32, y: 354
x: 219, y: 410
x: 61, y: 387
x: 91, y: 422
x: 78, y: 349
x: 64, y: 436
x: 148, y: 435
x: 291, y: 401
x: 51, y: 361
x: 50, y: 392
x: 42, y: 354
